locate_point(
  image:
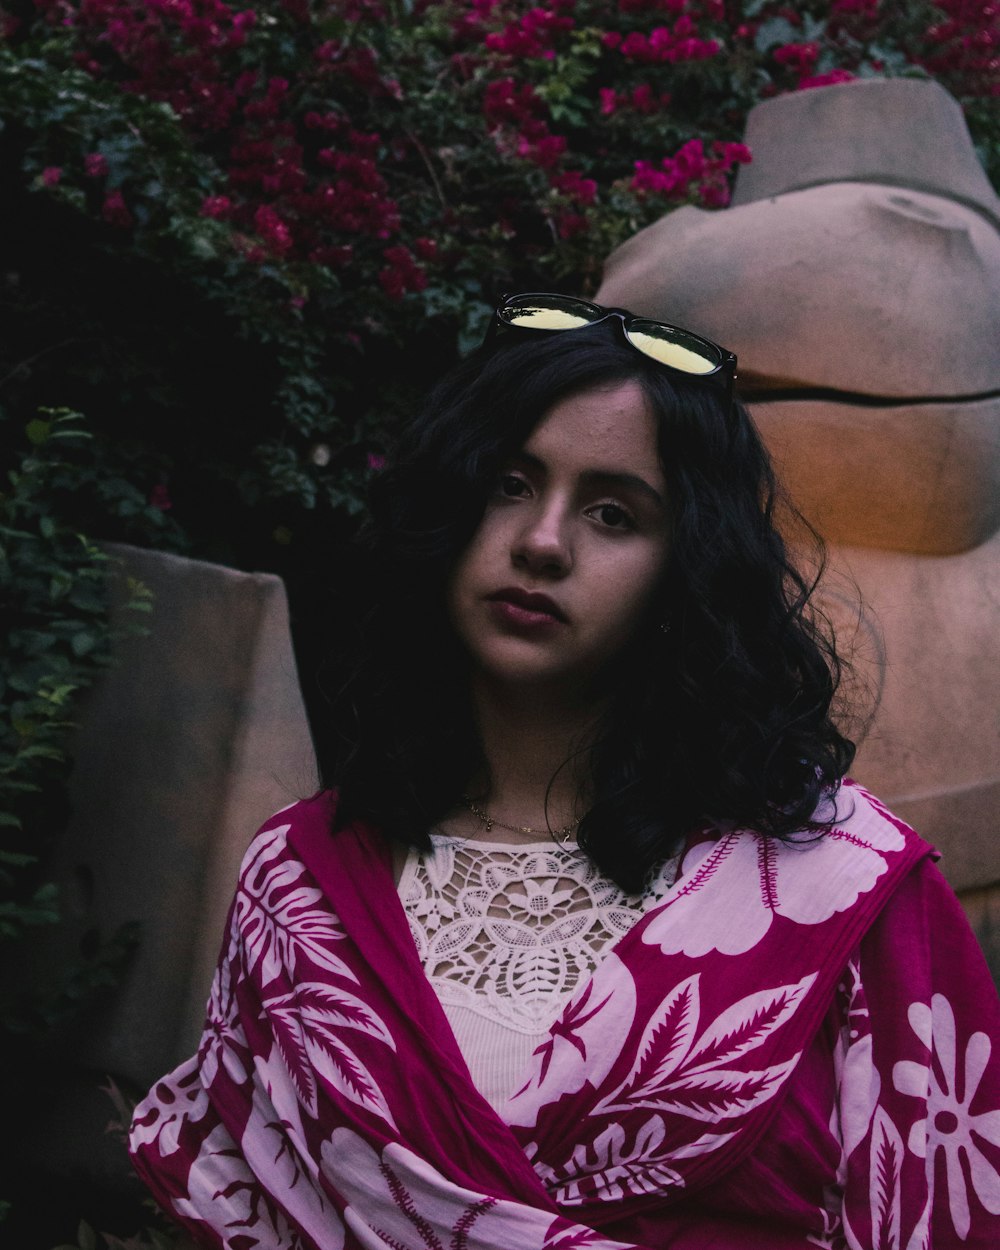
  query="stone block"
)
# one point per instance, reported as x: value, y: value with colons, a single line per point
x: 923, y: 478
x: 925, y: 649
x: 898, y: 131
x: 185, y: 747
x: 852, y: 287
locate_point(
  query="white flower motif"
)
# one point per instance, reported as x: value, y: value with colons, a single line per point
x: 949, y: 1125
x: 178, y: 1099
x: 754, y: 878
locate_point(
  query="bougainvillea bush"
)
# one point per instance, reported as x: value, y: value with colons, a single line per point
x: 246, y: 237
x: 242, y: 240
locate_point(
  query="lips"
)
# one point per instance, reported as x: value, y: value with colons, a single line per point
x: 530, y: 603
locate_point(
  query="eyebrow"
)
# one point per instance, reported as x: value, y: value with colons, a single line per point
x: 610, y: 478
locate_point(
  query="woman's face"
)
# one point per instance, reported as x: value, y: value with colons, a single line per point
x: 560, y: 574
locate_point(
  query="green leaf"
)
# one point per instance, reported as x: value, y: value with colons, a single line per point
x: 38, y: 431
x: 776, y: 32
x: 82, y: 643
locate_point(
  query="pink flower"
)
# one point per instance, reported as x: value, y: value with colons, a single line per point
x: 829, y: 79
x: 664, y: 180
x: 575, y: 186
x: 691, y: 158
x: 95, y: 165
x: 115, y: 211
x: 732, y: 153
x: 51, y: 175
x: 217, y: 206
x: 609, y: 101
x: 159, y: 497
x: 532, y: 36
x: 401, y: 273
x: 714, y: 194
x: 375, y: 461
x: 800, y: 57
x: 272, y: 229
x: 568, y: 225
x: 545, y: 151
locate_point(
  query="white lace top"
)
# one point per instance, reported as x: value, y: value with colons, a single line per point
x: 505, y: 934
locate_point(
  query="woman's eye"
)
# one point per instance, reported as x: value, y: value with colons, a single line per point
x: 512, y: 486
x: 614, y: 516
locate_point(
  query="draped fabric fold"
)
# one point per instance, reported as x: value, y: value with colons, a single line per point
x: 329, y: 1106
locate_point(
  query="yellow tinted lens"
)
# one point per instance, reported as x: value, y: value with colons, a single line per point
x: 542, y: 316
x: 663, y: 346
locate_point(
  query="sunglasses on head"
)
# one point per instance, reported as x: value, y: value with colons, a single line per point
x: 679, y: 350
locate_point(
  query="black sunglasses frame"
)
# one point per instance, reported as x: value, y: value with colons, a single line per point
x: 724, y: 373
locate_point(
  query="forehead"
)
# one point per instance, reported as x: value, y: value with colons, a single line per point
x: 609, y: 427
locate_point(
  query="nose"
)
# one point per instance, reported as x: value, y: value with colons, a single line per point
x: 542, y: 545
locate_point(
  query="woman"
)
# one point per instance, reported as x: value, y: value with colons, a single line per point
x: 594, y: 947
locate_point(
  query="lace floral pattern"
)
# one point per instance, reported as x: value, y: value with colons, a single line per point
x: 511, y: 931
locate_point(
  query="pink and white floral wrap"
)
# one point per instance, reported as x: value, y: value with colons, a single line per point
x: 795, y: 1048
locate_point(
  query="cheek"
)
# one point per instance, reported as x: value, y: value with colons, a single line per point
x: 630, y: 597
x: 468, y: 576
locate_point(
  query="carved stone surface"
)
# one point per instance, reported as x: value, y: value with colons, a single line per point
x: 862, y: 254
x: 903, y: 132
x: 858, y: 287
x: 185, y: 747
x: 912, y: 477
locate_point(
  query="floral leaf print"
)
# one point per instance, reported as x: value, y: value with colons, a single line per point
x: 224, y: 1194
x: 395, y: 1199
x: 563, y: 1234
x: 948, y: 1124
x: 172, y: 1103
x: 920, y: 1238
x: 307, y: 1025
x: 886, y: 1173
x: 223, y: 1043
x: 743, y: 1026
x: 754, y: 880
x: 665, y: 1076
x: 269, y: 1149
x: 619, y: 1162
x: 583, y: 1045
x: 667, y: 1038
x: 720, y: 1094
x: 277, y: 914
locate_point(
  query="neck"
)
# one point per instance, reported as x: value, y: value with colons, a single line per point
x: 536, y: 757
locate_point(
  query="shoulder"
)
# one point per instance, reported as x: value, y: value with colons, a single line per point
x: 852, y: 812
x: 306, y: 818
x: 319, y: 809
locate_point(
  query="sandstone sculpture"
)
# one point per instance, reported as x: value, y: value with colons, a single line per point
x: 857, y: 276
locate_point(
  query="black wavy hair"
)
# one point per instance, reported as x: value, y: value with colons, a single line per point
x: 724, y: 720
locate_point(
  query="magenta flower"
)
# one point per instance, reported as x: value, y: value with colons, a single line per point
x: 115, y: 211
x: 51, y: 175
x: 217, y: 206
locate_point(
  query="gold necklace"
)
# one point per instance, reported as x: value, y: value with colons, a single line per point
x: 562, y: 835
